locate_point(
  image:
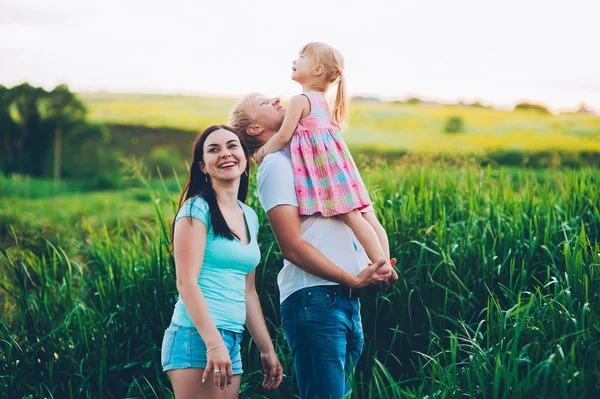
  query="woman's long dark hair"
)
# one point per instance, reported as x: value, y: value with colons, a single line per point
x: 198, y: 184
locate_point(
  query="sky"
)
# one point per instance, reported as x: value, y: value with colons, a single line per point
x: 498, y: 52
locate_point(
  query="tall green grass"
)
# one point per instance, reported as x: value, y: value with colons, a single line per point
x: 498, y: 296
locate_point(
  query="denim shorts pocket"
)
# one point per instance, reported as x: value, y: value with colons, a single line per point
x: 167, y: 346
x: 319, y: 298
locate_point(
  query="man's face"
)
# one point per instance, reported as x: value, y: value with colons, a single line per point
x: 268, y: 113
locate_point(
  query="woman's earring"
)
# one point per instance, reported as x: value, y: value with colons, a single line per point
x: 206, y: 177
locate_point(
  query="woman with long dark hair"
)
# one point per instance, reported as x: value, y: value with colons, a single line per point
x: 216, y: 253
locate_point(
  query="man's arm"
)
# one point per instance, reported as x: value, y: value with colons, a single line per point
x: 286, y: 224
x: 275, y: 183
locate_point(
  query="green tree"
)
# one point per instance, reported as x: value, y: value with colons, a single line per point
x: 33, y: 142
x: 66, y: 115
x: 525, y: 106
x: 8, y: 129
x: 454, y: 124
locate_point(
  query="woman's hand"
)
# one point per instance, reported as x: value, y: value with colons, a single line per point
x: 273, y: 370
x: 219, y: 363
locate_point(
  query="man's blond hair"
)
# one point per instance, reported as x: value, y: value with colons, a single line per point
x: 240, y: 119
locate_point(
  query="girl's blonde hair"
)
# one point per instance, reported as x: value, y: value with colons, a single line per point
x: 333, y: 65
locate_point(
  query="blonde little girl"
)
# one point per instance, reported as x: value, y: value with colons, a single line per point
x: 326, y: 178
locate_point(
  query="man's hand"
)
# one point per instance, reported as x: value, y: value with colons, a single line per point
x: 369, y: 276
x: 387, y: 284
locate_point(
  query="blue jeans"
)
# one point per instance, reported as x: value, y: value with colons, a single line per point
x: 324, y: 331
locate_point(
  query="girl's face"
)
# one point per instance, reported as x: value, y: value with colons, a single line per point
x: 224, y: 157
x: 302, y: 69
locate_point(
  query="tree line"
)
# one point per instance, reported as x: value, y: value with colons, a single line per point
x: 34, y: 123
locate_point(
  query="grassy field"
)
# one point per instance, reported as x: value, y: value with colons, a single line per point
x: 382, y: 127
x: 499, y: 294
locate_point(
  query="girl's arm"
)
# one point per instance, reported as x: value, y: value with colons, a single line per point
x: 298, y: 108
x: 255, y: 321
x: 189, y: 242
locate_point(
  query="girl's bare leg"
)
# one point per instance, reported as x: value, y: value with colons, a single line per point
x: 379, y: 230
x: 367, y: 236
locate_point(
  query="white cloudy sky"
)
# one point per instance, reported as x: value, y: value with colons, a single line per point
x: 498, y: 51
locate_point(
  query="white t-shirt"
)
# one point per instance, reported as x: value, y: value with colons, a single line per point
x: 329, y: 235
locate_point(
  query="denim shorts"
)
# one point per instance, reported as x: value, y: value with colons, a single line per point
x: 183, y: 348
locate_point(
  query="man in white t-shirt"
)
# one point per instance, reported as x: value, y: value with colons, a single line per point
x: 324, y: 265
